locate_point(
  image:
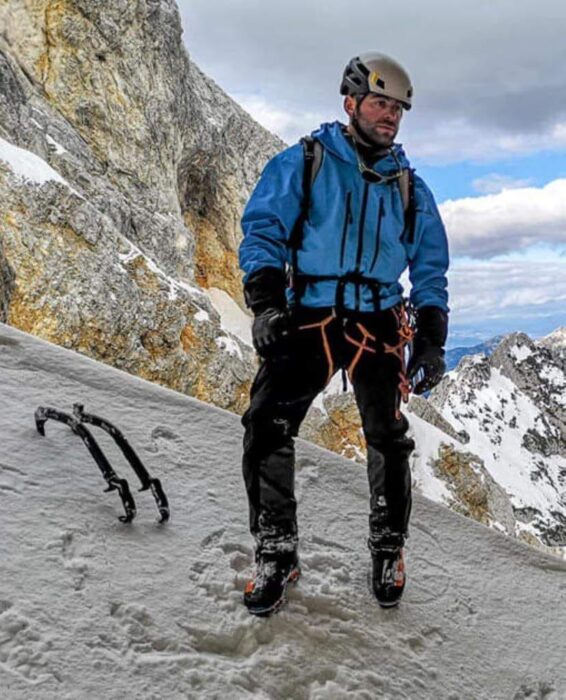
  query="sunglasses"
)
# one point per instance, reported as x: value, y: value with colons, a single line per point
x: 370, y: 175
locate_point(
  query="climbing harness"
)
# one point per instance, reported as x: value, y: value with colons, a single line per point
x: 404, y: 316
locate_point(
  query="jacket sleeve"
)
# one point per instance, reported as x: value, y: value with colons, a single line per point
x: 271, y: 212
x: 428, y: 261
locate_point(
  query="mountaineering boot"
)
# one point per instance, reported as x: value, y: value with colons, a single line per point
x: 266, y: 592
x: 388, y: 576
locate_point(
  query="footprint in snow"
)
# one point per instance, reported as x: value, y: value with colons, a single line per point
x: 23, y: 648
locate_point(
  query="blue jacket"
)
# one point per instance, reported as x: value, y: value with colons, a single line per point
x: 352, y: 226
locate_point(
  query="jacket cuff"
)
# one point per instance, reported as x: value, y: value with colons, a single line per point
x: 432, y: 326
x: 265, y: 289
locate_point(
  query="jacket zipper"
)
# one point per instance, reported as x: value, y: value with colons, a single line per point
x: 378, y: 233
x: 347, y: 220
x: 361, y: 239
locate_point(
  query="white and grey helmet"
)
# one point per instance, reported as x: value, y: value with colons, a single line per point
x: 376, y: 72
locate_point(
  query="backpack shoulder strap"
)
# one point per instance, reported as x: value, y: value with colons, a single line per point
x: 313, y: 152
x: 318, y: 150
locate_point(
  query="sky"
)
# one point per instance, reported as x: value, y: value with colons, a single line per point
x: 487, y: 130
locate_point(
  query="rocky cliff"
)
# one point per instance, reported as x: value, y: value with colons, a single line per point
x: 138, y: 166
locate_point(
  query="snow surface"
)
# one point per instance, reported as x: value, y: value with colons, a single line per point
x: 92, y: 608
x: 509, y: 464
x: 202, y: 315
x: 229, y: 345
x: 428, y: 439
x: 520, y: 352
x: 59, y: 150
x: 232, y: 318
x: 29, y: 167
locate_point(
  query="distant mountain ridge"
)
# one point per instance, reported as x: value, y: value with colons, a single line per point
x: 486, y: 347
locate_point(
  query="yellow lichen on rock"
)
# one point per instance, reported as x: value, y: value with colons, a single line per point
x: 216, y: 265
x: 143, y: 276
x: 461, y: 471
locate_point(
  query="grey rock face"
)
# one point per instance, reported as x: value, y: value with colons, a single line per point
x: 475, y: 492
x: 425, y: 410
x: 6, y: 284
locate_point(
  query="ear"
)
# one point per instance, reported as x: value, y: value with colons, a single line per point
x: 349, y: 105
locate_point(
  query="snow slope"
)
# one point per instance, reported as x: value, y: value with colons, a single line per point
x: 92, y: 608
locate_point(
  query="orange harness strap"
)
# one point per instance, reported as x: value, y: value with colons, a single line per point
x: 326, y: 345
x: 361, y: 347
x: 405, y: 333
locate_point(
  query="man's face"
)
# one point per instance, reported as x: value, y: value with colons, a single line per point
x: 378, y: 116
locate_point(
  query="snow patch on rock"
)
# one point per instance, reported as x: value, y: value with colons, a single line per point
x: 232, y: 318
x: 29, y: 167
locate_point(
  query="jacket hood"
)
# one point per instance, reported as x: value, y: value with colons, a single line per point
x: 332, y: 138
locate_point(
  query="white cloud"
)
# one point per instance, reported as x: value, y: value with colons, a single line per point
x: 493, y: 183
x: 441, y: 141
x: 497, y: 289
x: 288, y: 123
x: 512, y: 220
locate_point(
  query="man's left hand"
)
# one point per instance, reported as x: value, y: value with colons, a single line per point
x: 431, y: 361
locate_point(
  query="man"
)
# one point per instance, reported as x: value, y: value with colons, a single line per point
x: 345, y: 216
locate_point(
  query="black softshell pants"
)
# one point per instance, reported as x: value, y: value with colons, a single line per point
x: 371, y: 348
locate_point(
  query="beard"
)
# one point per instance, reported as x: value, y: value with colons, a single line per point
x: 372, y: 134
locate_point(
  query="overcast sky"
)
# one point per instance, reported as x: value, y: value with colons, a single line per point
x: 487, y: 129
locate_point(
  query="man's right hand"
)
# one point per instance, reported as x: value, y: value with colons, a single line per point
x: 270, y: 327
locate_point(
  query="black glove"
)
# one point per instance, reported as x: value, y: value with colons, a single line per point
x: 264, y: 292
x: 431, y: 362
x: 428, y: 350
x: 269, y: 330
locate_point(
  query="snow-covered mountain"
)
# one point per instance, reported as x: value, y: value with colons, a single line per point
x: 505, y: 461
x: 555, y: 341
x: 93, y: 608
